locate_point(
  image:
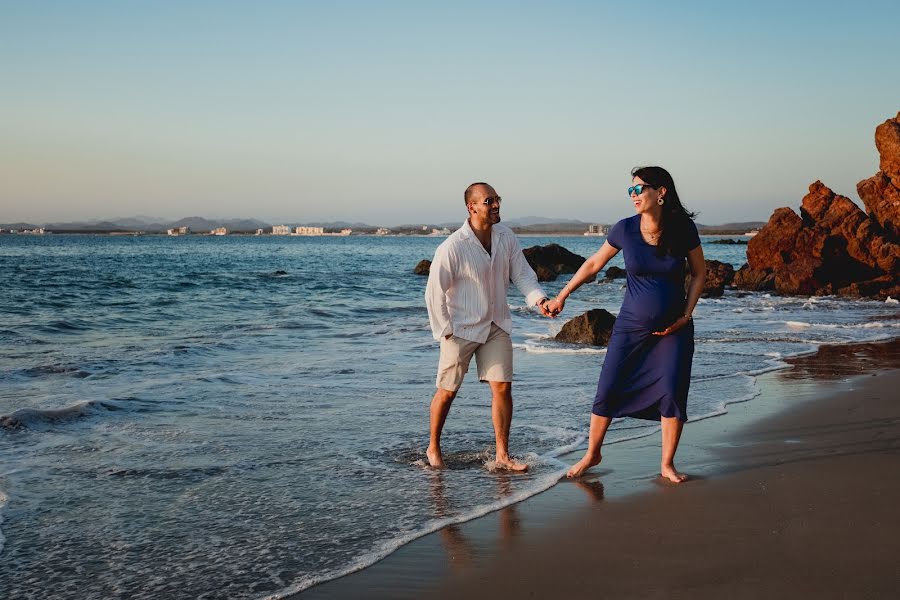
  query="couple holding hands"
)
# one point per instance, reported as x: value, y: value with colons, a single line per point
x: 647, y: 370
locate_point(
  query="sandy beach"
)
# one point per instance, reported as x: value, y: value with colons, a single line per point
x: 793, y: 494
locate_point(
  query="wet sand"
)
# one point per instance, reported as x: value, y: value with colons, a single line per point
x: 793, y: 494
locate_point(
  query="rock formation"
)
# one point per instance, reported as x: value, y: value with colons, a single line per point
x: 423, y: 268
x: 593, y: 327
x: 615, y: 273
x: 718, y: 275
x: 551, y: 260
x: 833, y: 247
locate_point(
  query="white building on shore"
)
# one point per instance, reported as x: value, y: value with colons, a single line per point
x: 303, y: 230
x: 219, y: 231
x: 596, y: 230
x: 281, y: 230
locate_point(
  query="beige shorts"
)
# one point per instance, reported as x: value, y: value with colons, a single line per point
x: 493, y: 357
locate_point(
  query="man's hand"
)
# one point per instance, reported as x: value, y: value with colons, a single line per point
x: 542, y: 305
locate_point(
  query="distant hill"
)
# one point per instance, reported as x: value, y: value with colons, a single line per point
x: 18, y: 226
x: 529, y: 221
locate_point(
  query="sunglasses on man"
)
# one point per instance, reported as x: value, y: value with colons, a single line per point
x: 491, y: 201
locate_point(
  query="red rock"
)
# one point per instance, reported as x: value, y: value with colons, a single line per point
x: 880, y: 287
x: 768, y: 248
x: 882, y: 201
x: 718, y: 275
x: 887, y: 140
x: 748, y: 278
x: 834, y: 245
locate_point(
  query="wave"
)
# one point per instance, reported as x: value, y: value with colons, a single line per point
x: 72, y: 326
x: 869, y: 325
x: 558, y: 348
x: 36, y: 418
x: 45, y: 370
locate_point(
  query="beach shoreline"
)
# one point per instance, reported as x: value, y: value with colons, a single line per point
x: 791, y: 495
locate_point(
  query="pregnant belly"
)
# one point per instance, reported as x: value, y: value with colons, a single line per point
x: 652, y: 308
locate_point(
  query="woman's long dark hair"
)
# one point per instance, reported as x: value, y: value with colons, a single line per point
x: 675, y: 216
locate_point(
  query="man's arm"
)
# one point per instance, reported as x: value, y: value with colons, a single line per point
x: 521, y: 274
x: 440, y: 278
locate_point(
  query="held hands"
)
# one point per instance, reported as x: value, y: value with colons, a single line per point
x: 542, y: 305
x: 678, y: 324
x: 554, y: 307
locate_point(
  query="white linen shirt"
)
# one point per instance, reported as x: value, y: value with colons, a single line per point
x: 467, y: 287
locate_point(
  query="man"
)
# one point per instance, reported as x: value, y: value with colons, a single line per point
x: 466, y: 299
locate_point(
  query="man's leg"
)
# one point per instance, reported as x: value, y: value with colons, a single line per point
x: 440, y: 408
x: 501, y: 412
x: 452, y: 366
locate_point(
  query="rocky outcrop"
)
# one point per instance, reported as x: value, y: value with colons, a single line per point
x: 593, y: 327
x: 615, y: 273
x: 718, y: 275
x: 882, y: 199
x: 551, y: 260
x: 881, y: 193
x: 729, y: 242
x: 756, y: 280
x: 833, y: 247
x: 423, y: 268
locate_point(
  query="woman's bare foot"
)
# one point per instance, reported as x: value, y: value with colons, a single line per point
x: 434, y: 458
x: 669, y: 472
x: 508, y: 464
x: 588, y: 461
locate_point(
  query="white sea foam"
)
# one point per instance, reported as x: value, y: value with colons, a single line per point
x: 528, y: 346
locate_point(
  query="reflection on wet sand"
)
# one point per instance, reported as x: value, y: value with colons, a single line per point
x: 461, y: 551
x: 839, y: 362
x: 592, y: 487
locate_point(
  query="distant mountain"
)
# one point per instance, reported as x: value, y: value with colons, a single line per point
x: 528, y: 221
x: 18, y: 226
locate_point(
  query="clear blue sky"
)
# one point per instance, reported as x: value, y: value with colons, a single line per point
x: 383, y: 112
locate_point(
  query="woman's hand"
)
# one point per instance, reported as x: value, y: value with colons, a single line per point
x: 678, y: 324
x: 555, y: 306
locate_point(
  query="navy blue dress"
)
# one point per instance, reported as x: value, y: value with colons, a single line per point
x: 647, y: 376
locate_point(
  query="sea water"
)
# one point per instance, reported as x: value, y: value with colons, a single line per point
x: 239, y: 417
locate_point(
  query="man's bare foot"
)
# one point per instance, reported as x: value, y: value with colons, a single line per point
x: 434, y: 458
x: 669, y: 472
x: 584, y: 464
x: 508, y: 464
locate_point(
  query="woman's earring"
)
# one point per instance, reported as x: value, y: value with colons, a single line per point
x: 660, y: 201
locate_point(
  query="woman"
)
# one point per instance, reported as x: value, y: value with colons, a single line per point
x: 647, y: 370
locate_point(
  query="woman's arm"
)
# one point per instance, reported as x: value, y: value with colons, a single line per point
x: 698, y: 279
x: 586, y: 272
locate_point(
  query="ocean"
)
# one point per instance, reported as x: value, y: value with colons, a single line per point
x: 243, y: 417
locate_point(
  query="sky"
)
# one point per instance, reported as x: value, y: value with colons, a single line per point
x: 383, y: 112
